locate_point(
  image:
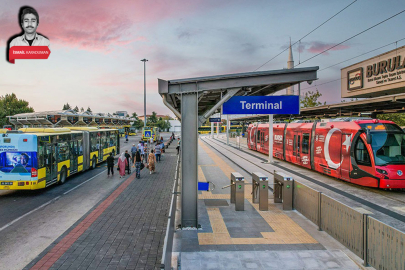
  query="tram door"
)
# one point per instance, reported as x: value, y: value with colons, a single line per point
x: 297, y: 148
x: 51, y: 165
x: 73, y: 156
x: 345, y: 156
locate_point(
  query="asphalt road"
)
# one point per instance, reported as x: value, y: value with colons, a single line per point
x: 31, y: 220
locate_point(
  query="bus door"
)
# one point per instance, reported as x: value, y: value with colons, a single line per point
x: 51, y: 164
x: 297, y: 148
x: 73, y: 156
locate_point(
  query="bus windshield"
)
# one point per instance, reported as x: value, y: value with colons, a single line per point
x: 388, y: 148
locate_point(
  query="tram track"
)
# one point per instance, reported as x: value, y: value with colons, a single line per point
x: 369, y: 204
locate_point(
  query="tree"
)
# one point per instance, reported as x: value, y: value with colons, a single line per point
x: 11, y: 105
x: 163, y: 125
x: 311, y: 99
x: 76, y: 109
x: 81, y: 109
x: 66, y: 106
x: 89, y: 110
x: 138, y: 124
x: 398, y: 118
x: 153, y: 118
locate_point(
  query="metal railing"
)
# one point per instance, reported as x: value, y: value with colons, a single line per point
x: 166, y: 261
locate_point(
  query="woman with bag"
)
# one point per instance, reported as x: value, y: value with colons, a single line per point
x: 138, y: 162
x: 151, y: 162
x: 122, y: 163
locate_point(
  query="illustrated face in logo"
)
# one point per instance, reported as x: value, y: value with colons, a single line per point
x: 399, y: 172
x: 30, y: 23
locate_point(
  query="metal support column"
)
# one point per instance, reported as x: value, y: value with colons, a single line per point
x: 212, y: 129
x: 227, y: 129
x: 189, y: 141
x: 270, y: 138
x: 217, y: 129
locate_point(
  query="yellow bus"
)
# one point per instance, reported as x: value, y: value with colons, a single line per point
x: 206, y: 129
x: 155, y: 134
x: 131, y: 131
x: 233, y: 128
x: 35, y: 158
x: 146, y: 133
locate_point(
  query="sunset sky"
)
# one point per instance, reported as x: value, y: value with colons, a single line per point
x: 96, y: 46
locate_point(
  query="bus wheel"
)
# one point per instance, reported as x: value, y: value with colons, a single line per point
x: 63, y: 176
x: 93, y: 162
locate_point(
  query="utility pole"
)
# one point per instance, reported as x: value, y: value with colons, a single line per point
x: 144, y: 91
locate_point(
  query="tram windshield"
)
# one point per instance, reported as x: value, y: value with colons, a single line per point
x: 388, y: 148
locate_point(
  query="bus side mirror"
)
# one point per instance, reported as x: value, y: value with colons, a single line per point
x: 369, y: 136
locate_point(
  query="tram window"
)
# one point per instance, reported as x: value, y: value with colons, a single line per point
x: 361, y: 153
x: 298, y: 143
x: 305, y: 143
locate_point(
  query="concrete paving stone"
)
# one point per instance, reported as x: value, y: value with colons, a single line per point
x: 210, y: 265
x: 251, y: 264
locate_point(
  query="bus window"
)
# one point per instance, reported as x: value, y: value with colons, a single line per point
x: 93, y: 141
x: 361, y: 153
x: 305, y: 143
x: 113, y: 139
x: 41, y: 154
x: 104, y: 139
x: 63, y: 151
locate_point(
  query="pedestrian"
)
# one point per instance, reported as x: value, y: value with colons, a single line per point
x: 126, y: 137
x: 140, y: 146
x: 157, y: 152
x: 128, y: 157
x: 133, y: 152
x: 145, y: 152
x: 110, y: 165
x: 173, y: 136
x: 151, y: 162
x: 122, y: 163
x: 138, y: 162
x: 178, y: 146
x: 162, y: 148
x: 161, y: 139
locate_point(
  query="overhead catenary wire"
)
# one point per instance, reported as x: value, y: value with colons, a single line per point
x: 307, y: 34
x: 334, y: 46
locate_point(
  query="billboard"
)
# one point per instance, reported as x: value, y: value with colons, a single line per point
x: 380, y: 75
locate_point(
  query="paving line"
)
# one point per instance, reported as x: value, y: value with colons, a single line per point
x: 30, y: 212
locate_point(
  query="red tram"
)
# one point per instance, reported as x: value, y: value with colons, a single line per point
x: 367, y: 152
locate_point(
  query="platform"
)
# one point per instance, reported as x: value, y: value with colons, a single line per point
x: 126, y: 230
x: 251, y: 239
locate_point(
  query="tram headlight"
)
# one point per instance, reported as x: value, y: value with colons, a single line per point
x: 382, y: 171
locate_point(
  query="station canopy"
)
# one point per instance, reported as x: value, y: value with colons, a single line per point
x: 365, y: 107
x: 214, y: 90
x: 66, y: 118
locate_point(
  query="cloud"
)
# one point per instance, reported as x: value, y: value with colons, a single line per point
x: 95, y: 25
x: 316, y: 47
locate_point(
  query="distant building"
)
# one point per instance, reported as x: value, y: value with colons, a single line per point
x: 121, y: 113
x: 175, y: 126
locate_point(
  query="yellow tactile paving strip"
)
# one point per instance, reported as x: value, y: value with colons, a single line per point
x: 286, y: 231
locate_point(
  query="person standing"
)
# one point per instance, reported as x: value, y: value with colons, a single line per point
x: 138, y: 162
x: 157, y: 152
x: 140, y: 146
x: 151, y: 140
x: 162, y: 149
x: 122, y: 163
x: 126, y: 137
x: 110, y: 165
x: 173, y: 136
x: 178, y: 146
x: 151, y: 162
x: 133, y: 153
x: 128, y: 157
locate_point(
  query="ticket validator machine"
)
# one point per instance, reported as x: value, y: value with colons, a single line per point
x: 260, y: 190
x: 283, y: 190
x: 237, y: 191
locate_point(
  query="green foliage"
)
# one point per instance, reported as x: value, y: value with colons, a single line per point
x: 81, y: 109
x: 398, y: 118
x: 11, y: 105
x: 134, y: 115
x: 76, y: 109
x: 311, y: 99
x: 153, y: 118
x: 163, y: 125
x: 66, y: 106
x: 89, y: 110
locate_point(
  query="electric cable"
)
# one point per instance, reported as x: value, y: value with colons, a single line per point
x: 308, y: 33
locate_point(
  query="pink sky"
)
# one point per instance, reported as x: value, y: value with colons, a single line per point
x: 97, y: 45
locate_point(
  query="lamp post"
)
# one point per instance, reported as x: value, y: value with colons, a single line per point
x: 144, y: 91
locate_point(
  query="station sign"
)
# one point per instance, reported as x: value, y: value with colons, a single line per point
x: 377, y: 76
x: 262, y: 105
x: 215, y: 120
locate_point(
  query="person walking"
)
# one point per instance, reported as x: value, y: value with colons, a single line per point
x: 178, y: 146
x: 138, y: 162
x: 140, y: 146
x: 126, y: 137
x: 162, y: 149
x: 151, y: 162
x: 122, y: 163
x: 133, y: 153
x: 157, y: 152
x: 145, y: 152
x: 128, y: 157
x: 151, y: 140
x: 110, y: 165
x: 173, y: 136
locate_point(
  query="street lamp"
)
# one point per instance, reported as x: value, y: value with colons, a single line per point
x: 144, y: 91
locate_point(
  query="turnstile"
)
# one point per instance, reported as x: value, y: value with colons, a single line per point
x: 238, y: 191
x: 283, y: 190
x: 260, y: 190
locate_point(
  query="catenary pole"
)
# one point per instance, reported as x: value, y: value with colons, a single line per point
x: 144, y: 91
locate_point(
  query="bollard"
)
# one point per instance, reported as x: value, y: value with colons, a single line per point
x: 262, y: 189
